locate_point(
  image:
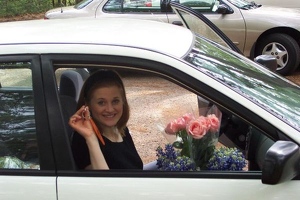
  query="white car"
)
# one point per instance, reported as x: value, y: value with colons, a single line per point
x: 280, y: 3
x: 43, y: 65
x: 255, y: 29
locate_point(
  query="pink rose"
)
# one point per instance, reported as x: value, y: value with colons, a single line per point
x: 214, y: 123
x: 178, y: 124
x: 197, y: 128
x: 204, y: 121
x: 175, y: 126
x: 187, y: 117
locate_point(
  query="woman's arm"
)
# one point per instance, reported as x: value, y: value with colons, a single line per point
x: 80, y: 122
x: 96, y: 156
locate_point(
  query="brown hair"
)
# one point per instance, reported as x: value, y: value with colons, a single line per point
x: 103, y: 78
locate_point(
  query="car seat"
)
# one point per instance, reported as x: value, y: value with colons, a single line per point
x: 71, y: 82
x: 257, y: 146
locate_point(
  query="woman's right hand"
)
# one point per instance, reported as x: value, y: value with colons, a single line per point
x: 80, y: 122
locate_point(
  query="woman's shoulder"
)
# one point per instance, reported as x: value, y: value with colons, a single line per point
x: 127, y: 132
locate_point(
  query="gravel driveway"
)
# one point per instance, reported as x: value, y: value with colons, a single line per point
x: 150, y: 102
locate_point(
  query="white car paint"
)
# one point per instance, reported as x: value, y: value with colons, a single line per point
x: 27, y: 187
x: 168, y: 188
x: 84, y: 32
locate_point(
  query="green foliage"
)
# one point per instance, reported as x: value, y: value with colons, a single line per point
x: 10, y: 8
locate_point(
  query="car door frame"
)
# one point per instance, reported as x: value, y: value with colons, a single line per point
x: 58, y: 124
x: 157, y: 184
x: 36, y: 184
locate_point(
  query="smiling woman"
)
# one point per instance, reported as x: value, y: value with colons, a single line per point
x: 103, y: 112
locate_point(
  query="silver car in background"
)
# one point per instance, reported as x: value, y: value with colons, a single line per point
x: 255, y: 29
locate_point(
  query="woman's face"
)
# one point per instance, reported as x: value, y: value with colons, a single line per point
x: 106, y: 105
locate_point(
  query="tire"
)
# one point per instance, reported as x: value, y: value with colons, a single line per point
x: 284, y: 48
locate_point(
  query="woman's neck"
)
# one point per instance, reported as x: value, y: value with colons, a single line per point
x: 112, y: 133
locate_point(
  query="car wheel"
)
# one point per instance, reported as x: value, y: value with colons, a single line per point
x: 284, y: 48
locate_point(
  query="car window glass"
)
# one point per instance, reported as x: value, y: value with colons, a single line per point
x: 141, y: 6
x: 257, y: 84
x: 202, y: 6
x: 155, y: 102
x: 82, y: 4
x: 126, y: 6
x: 18, y: 144
x: 113, y: 6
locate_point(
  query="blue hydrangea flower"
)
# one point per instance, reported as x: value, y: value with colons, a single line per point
x: 169, y: 159
x: 226, y: 158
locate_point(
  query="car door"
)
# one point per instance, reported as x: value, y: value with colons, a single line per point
x: 158, y: 93
x: 198, y: 23
x: 27, y: 169
x: 224, y: 15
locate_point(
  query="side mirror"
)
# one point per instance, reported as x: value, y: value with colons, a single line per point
x: 165, y: 5
x: 224, y: 9
x: 282, y: 163
x: 268, y: 61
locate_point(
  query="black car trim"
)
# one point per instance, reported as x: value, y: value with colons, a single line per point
x: 59, y: 136
x: 163, y: 174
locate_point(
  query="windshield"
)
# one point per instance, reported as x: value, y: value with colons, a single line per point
x: 266, y: 89
x: 82, y: 4
x: 242, y: 4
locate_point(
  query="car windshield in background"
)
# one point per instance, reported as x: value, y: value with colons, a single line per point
x: 258, y: 84
x: 244, y: 4
x: 82, y: 4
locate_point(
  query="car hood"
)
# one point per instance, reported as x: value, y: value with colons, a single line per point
x: 274, y: 15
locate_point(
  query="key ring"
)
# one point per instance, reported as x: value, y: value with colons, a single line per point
x: 83, y: 116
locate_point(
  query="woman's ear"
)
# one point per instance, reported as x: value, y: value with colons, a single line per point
x: 85, y: 102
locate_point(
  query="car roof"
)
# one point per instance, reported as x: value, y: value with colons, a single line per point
x: 145, y: 34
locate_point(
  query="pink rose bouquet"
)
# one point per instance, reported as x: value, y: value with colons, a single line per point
x: 196, y: 137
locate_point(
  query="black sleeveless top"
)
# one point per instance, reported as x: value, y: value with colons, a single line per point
x: 118, y: 155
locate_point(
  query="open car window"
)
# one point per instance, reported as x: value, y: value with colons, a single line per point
x: 155, y: 102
